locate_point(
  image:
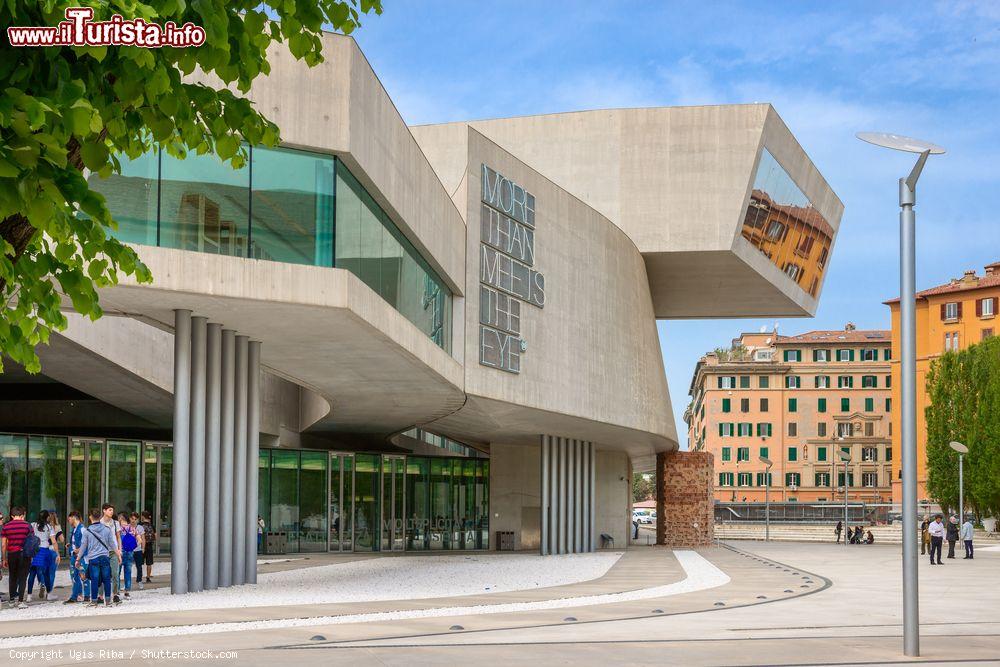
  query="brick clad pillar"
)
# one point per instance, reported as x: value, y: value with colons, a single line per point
x: 684, y: 502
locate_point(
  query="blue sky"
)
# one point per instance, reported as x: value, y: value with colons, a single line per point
x: 931, y: 70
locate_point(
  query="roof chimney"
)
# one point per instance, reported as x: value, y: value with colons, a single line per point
x: 969, y: 276
x: 850, y: 326
x: 992, y: 268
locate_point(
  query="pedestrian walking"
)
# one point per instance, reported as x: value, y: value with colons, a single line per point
x: 137, y: 555
x: 925, y: 536
x: 839, y: 529
x: 115, y: 553
x: 96, y: 547
x: 57, y: 539
x: 260, y: 534
x: 952, y: 535
x: 966, y: 535
x: 130, y: 542
x: 148, y: 544
x: 47, y: 552
x: 17, y: 560
x: 81, y: 585
x: 936, y: 530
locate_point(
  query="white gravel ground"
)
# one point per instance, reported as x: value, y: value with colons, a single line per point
x: 401, y: 578
x: 701, y: 574
x: 161, y: 570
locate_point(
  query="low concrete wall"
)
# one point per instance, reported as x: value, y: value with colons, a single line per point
x: 515, y: 494
x: 612, y: 496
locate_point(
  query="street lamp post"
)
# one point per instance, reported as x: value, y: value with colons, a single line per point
x: 908, y: 368
x: 962, y: 451
x: 767, y: 497
x: 846, y: 458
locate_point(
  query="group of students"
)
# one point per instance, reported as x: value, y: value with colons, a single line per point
x: 101, y: 553
x: 856, y: 535
x: 933, y: 534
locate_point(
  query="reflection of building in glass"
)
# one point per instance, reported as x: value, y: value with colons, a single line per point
x: 782, y: 223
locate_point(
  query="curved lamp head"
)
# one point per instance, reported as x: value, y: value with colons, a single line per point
x: 898, y: 142
x: 844, y: 456
x: 958, y: 447
x: 766, y: 461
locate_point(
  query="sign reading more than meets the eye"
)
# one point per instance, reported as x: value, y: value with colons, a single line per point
x: 507, y: 275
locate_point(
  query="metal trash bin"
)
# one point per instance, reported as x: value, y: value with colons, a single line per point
x: 275, y: 542
x: 505, y: 540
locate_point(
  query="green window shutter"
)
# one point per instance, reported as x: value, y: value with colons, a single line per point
x: 763, y: 452
x: 719, y: 380
x: 786, y: 355
x: 768, y: 425
x: 821, y: 405
x: 869, y: 405
x: 821, y: 453
x: 793, y: 454
x: 720, y: 428
x: 727, y: 454
x: 726, y: 404
x: 888, y: 405
x: 744, y: 382
x: 845, y: 405
x: 851, y: 357
x: 815, y: 355
x: 793, y: 405
x: 886, y: 354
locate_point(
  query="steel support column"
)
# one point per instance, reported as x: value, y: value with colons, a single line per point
x: 546, y: 503
x: 253, y: 449
x: 196, y: 464
x: 181, y: 452
x: 226, y: 458
x: 212, y: 455
x: 240, y: 463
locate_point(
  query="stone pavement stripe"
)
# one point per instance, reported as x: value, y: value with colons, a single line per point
x: 701, y: 574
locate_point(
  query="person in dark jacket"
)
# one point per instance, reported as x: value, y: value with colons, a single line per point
x: 839, y: 529
x: 952, y: 536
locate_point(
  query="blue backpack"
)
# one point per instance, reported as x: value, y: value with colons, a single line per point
x: 129, y: 543
x: 29, y: 548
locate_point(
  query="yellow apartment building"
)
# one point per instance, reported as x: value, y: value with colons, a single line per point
x: 952, y: 316
x: 796, y: 400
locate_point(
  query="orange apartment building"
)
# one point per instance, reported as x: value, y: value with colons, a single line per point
x: 796, y: 400
x: 952, y: 316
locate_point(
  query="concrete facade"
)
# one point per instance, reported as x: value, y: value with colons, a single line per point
x: 630, y: 208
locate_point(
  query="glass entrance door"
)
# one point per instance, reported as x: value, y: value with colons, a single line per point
x: 341, y: 502
x: 86, y: 475
x: 393, y: 512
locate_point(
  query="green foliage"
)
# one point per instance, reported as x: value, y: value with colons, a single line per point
x: 964, y: 392
x: 64, y: 110
x: 643, y: 487
x: 735, y: 353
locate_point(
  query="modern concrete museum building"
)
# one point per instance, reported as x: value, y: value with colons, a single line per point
x: 385, y: 337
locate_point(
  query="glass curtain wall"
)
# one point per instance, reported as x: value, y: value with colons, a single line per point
x: 321, y: 500
x: 285, y: 205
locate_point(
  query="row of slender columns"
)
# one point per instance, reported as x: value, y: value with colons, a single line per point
x: 567, y: 468
x: 216, y: 445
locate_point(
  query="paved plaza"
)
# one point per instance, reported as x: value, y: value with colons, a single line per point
x: 748, y: 603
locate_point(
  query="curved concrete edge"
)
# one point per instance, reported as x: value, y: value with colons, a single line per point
x: 700, y: 574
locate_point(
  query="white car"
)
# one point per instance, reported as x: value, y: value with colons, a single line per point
x: 645, y: 518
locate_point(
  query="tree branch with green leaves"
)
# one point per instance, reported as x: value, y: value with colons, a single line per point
x: 68, y: 112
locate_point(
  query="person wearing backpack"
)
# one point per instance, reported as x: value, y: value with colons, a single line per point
x: 148, y: 545
x: 81, y: 586
x: 97, y: 544
x: 130, y: 542
x: 19, y: 545
x: 140, y: 534
x: 115, y: 555
x: 40, y: 563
